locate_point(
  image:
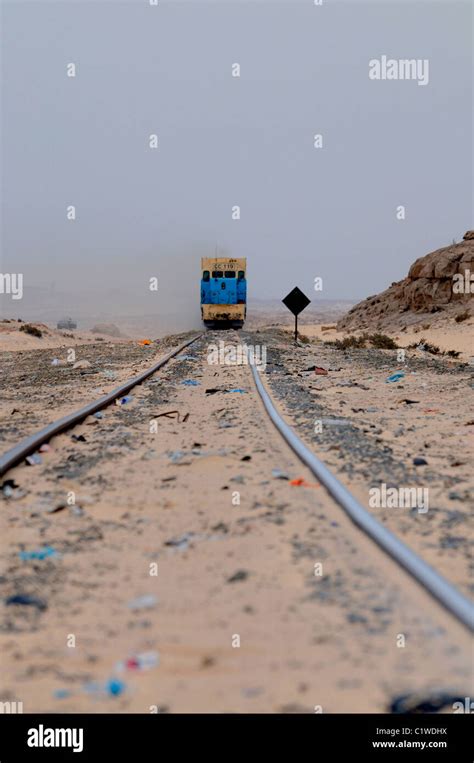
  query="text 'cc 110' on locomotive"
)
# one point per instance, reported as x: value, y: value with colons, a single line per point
x: 223, y: 291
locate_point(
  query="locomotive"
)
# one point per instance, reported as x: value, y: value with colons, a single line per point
x: 223, y: 291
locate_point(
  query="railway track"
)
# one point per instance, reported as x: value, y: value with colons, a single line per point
x: 445, y: 593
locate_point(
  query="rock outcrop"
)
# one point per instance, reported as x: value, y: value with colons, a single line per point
x: 441, y: 281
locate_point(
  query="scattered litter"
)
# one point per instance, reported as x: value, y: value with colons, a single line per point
x: 396, y: 376
x: 279, y: 474
x: 34, y: 459
x: 416, y: 703
x: 238, y: 576
x: 78, y: 438
x: 190, y: 383
x: 181, y: 542
x: 237, y: 389
x: 175, y: 456
x: 187, y: 357
x: 300, y: 482
x: 144, y: 342
x: 212, y: 390
x: 420, y: 462
x: 98, y: 415
x: 168, y: 414
x: 124, y: 400
x: 27, y: 601
x: 62, y: 693
x: 82, y: 364
x: 320, y: 371
x: 45, y: 448
x: 55, y: 362
x: 115, y: 687
x: 8, y: 488
x: 147, y: 601
x: 139, y: 662
x: 40, y: 553
x: 56, y: 509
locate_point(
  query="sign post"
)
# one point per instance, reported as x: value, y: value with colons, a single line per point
x: 296, y: 302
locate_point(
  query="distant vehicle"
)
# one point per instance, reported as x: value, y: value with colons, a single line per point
x: 67, y: 323
x: 223, y: 291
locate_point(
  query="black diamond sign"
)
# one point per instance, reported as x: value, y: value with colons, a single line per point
x: 296, y: 301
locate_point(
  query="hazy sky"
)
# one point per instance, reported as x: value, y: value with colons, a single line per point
x: 226, y: 141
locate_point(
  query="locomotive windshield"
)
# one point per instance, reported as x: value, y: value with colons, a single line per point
x: 217, y: 274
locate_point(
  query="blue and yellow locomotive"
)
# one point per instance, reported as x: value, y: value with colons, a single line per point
x: 223, y: 291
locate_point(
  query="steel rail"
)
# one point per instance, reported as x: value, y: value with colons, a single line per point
x: 452, y: 599
x: 31, y: 443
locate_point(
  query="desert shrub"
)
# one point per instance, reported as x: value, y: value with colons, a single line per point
x: 379, y: 341
x: 29, y: 329
x: 383, y: 342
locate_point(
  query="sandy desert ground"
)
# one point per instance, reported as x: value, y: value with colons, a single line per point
x: 239, y: 616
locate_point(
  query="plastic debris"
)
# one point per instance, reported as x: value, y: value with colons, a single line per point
x: 139, y: 662
x: 187, y: 357
x: 147, y: 601
x: 190, y: 383
x: 237, y: 389
x: 34, y: 459
x: 144, y: 342
x: 300, y: 482
x: 55, y: 362
x: 98, y: 415
x: 396, y: 376
x: 279, y: 474
x: 40, y: 553
x: 320, y: 371
x: 21, y: 599
x: 62, y: 693
x: 420, y: 462
x: 175, y: 456
x: 78, y: 438
x: 82, y: 364
x: 124, y: 400
x: 181, y: 542
x: 115, y: 687
x: 45, y: 448
x: 8, y: 488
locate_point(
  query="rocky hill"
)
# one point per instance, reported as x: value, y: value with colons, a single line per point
x: 439, y: 282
